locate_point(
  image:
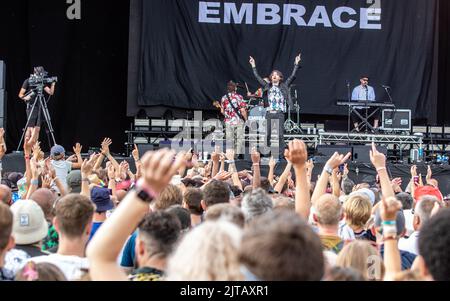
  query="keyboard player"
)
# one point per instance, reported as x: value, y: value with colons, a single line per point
x: 364, y: 93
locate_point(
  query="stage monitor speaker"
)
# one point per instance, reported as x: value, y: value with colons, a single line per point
x: 396, y: 120
x: 3, y: 101
x: 143, y: 148
x: 2, y: 75
x: 13, y: 162
x: 328, y: 150
x: 361, y: 153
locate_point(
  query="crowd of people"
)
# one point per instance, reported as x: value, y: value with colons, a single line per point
x: 178, y: 218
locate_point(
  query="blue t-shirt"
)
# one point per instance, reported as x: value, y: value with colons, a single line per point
x: 406, y: 257
x: 95, y: 227
x: 128, y: 254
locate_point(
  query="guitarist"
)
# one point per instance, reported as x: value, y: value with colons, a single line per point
x: 234, y: 109
x: 29, y: 96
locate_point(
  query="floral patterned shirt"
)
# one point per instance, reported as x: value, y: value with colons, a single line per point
x: 231, y: 118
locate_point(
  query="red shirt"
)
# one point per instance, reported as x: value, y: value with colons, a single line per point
x: 231, y: 117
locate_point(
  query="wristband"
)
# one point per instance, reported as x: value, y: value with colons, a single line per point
x: 389, y: 238
x: 27, y: 157
x: 328, y: 170
x: 255, y: 164
x: 231, y: 162
x: 34, y: 182
x: 389, y: 223
x: 389, y: 230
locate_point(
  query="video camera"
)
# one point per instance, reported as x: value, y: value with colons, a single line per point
x: 41, y: 79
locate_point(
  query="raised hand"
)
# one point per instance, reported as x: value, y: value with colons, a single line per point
x: 337, y: 160
x: 389, y: 208
x: 429, y: 174
x: 159, y: 167
x: 378, y: 159
x: 252, y: 62
x: 111, y: 172
x: 135, y: 153
x: 256, y: 157
x: 272, y: 163
x: 215, y: 157
x: 88, y: 165
x: 413, y: 171
x: 46, y: 181
x: 77, y: 148
x: 34, y: 166
x: 230, y: 154
x: 297, y: 153
x: 28, y: 145
x: 298, y: 59
x: 105, y: 146
x: 223, y: 176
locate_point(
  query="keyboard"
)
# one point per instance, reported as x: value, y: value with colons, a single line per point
x: 364, y: 104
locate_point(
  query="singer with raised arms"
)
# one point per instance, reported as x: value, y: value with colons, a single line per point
x: 279, y: 98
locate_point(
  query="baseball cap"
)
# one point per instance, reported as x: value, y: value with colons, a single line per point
x: 57, y: 150
x: 29, y: 224
x: 13, y: 178
x: 427, y: 190
x: 102, y: 199
x: 74, y: 181
x: 369, y: 193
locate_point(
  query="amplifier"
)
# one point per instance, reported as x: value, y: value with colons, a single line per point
x: 396, y: 120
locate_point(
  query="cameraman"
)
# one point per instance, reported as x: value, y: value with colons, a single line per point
x: 29, y: 96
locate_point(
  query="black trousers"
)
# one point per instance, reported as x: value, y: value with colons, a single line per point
x: 275, y: 133
x: 376, y: 116
x: 34, y: 114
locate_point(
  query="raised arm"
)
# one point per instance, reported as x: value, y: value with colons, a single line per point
x: 102, y: 252
x: 105, y: 151
x: 321, y: 187
x: 271, y: 175
x: 297, y: 154
x: 260, y: 80
x: 291, y: 78
x: 77, y: 150
x: 256, y: 158
x: 2, y: 143
x: 232, y: 169
x: 283, y: 178
x: 379, y: 162
x: 392, y: 257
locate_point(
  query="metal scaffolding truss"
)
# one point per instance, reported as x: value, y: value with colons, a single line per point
x: 325, y: 137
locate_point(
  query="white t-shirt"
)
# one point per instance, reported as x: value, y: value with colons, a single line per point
x: 62, y: 169
x: 410, y: 244
x: 409, y: 217
x: 71, y: 266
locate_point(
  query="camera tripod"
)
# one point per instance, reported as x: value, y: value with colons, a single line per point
x: 40, y: 104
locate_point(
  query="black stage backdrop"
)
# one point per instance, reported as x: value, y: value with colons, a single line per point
x: 88, y: 55
x: 191, y: 48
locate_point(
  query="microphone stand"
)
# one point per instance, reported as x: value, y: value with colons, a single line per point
x: 349, y: 111
x: 394, y: 112
x: 367, y: 109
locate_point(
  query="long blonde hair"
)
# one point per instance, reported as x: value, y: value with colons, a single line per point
x: 362, y: 256
x: 207, y: 253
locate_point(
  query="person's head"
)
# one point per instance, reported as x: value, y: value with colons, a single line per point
x: 406, y: 199
x: 215, y: 192
x: 343, y: 274
x: 255, y: 204
x: 347, y: 186
x: 40, y: 272
x: 45, y: 198
x: 231, y: 86
x: 171, y: 195
x: 183, y: 216
x: 427, y: 190
x: 6, y: 225
x: 282, y: 202
x: 39, y: 70
x: 362, y: 256
x: 434, y: 246
x: 422, y: 212
x: 400, y: 223
x: 73, y: 217
x: 207, y: 253
x: 357, y: 211
x: 101, y: 197
x: 226, y: 212
x: 74, y: 181
x: 364, y: 80
x: 5, y: 194
x: 276, y: 77
x: 328, y: 211
x: 29, y: 226
x: 193, y: 201
x: 265, y: 185
x: 57, y: 152
x: 280, y: 246
x: 157, y: 236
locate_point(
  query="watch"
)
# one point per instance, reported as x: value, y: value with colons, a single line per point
x: 144, y: 195
x: 328, y: 169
